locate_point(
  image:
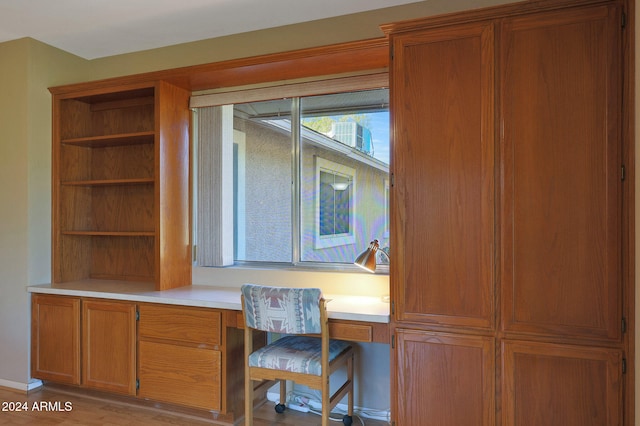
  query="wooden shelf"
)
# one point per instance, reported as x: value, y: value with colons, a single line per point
x: 136, y: 138
x: 111, y: 233
x: 120, y: 163
x: 107, y: 182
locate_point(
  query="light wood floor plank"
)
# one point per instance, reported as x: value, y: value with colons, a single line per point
x: 91, y: 410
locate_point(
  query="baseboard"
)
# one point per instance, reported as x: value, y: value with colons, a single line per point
x: 19, y: 386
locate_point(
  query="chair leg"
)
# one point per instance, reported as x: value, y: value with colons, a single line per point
x: 248, y: 399
x: 326, y: 402
x: 283, y: 392
x: 280, y: 406
x: 348, y: 419
x: 350, y: 378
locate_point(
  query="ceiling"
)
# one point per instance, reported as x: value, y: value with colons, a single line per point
x: 98, y: 28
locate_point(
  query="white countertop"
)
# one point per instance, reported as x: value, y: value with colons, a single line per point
x: 340, y: 306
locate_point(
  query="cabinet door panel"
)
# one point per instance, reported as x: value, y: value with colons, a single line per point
x: 55, y: 338
x: 444, y: 379
x: 442, y: 112
x: 109, y: 342
x: 547, y: 384
x: 561, y: 233
x: 180, y: 374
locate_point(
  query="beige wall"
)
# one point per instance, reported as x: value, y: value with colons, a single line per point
x: 14, y: 164
x: 27, y: 68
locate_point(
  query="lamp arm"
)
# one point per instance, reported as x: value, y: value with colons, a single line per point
x: 385, y: 253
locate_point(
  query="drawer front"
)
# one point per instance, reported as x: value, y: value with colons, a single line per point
x: 180, y: 323
x: 353, y: 332
x: 359, y: 331
x: 180, y: 375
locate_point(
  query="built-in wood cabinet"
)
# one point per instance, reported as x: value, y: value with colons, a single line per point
x: 561, y: 173
x: 121, y: 184
x: 509, y: 274
x: 444, y: 179
x: 443, y: 230
x: 109, y: 345
x: 180, y: 355
x: 555, y: 384
x: 55, y: 338
x: 445, y: 378
x: 84, y: 342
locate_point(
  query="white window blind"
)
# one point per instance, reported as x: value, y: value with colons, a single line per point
x: 334, y: 85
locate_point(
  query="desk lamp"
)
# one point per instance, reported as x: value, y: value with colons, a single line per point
x: 367, y: 259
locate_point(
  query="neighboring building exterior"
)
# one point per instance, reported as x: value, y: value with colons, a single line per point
x: 343, y: 196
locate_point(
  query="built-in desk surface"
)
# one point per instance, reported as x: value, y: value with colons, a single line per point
x: 347, y: 313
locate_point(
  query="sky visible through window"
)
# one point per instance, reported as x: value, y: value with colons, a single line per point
x: 379, y: 127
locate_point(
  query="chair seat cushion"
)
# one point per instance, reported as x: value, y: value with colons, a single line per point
x: 297, y: 354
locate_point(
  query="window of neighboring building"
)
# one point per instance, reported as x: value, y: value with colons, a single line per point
x: 309, y: 182
x: 335, y: 207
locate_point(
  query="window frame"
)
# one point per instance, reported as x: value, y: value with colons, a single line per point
x: 370, y: 80
x: 334, y: 240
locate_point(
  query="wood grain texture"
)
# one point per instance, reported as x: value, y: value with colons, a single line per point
x: 55, y: 338
x: 186, y: 325
x: 557, y: 223
x: 180, y: 374
x: 448, y: 379
x: 350, y: 57
x: 443, y: 200
x: 109, y: 346
x: 562, y: 186
x: 548, y: 384
x: 172, y: 197
x: 93, y: 408
x: 121, y: 193
x: 122, y: 258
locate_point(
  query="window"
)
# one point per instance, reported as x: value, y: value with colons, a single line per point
x: 335, y: 207
x: 308, y: 178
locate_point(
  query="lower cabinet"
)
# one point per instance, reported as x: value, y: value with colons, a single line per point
x: 445, y: 378
x: 108, y: 346
x: 557, y: 384
x: 179, y: 355
x: 539, y: 383
x: 55, y: 338
x: 84, y: 342
x: 172, y: 354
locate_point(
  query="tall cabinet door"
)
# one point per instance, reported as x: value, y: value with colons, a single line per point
x: 561, y: 120
x: 443, y: 151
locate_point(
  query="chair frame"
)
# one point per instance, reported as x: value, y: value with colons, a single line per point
x: 321, y: 383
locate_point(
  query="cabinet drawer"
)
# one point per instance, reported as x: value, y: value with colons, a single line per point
x: 180, y: 375
x: 180, y: 323
x: 353, y: 332
x: 359, y: 331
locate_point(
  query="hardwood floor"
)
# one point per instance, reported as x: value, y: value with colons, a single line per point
x: 52, y: 406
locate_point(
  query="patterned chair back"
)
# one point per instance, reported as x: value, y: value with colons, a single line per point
x: 281, y: 309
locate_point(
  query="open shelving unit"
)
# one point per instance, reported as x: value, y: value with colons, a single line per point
x: 121, y: 185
